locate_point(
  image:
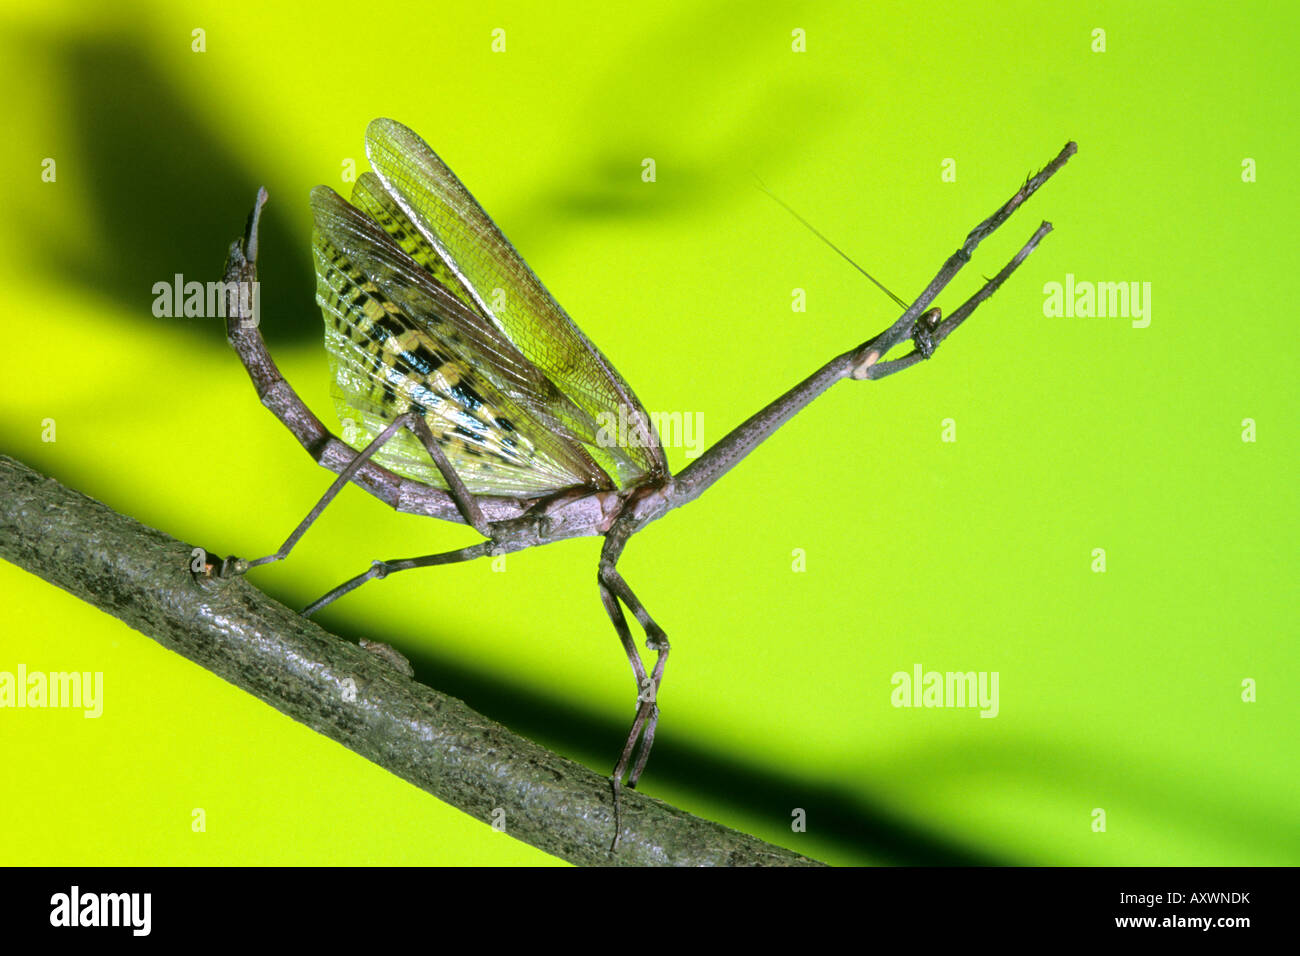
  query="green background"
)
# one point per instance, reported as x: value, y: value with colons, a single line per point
x: 1119, y: 691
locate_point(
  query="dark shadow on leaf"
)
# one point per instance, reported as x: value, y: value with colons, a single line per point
x: 165, y: 194
x: 854, y: 822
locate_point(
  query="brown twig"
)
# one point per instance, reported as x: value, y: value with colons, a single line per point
x: 352, y: 695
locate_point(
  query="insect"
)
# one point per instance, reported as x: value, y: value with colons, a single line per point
x: 470, y: 394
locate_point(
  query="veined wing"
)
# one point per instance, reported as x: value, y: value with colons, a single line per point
x: 466, y: 244
x: 370, y: 196
x: 399, y: 340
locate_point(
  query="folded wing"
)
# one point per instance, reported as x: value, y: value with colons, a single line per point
x: 446, y: 230
x: 403, y: 335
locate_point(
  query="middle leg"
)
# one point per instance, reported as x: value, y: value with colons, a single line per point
x: 465, y: 502
x: 614, y: 589
x: 382, y: 569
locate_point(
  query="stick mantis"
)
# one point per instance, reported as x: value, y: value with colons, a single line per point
x: 497, y: 404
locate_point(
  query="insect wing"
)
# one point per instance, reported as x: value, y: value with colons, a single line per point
x: 370, y: 196
x: 398, y: 339
x: 482, y: 260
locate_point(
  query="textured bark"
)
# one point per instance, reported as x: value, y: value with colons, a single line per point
x: 360, y: 698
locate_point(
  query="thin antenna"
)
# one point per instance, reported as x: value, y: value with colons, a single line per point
x: 818, y: 234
